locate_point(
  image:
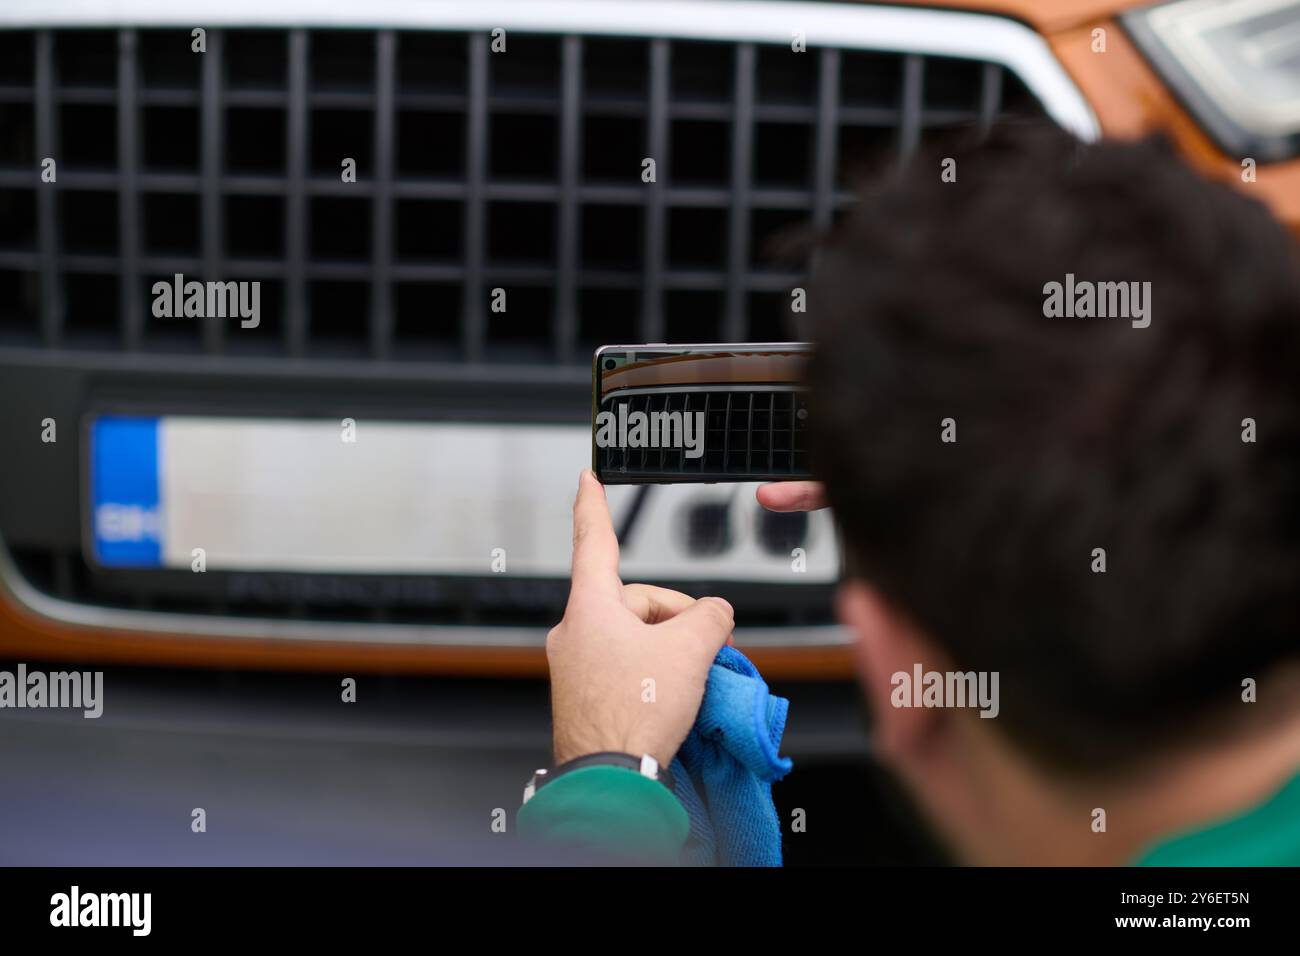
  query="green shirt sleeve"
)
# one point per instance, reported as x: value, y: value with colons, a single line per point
x: 1267, y: 835
x: 611, y: 812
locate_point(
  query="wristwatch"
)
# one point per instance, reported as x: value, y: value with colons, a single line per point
x: 645, y: 765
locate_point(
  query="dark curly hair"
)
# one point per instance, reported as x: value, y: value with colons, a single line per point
x: 1073, y: 434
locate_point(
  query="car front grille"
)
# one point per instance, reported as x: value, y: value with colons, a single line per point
x: 748, y: 433
x: 476, y: 171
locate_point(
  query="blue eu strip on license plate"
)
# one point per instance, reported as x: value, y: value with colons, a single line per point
x: 125, y: 492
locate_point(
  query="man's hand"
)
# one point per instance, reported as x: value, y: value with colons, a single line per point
x: 628, y: 662
x: 792, y: 496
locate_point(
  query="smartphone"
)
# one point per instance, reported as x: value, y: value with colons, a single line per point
x: 665, y: 414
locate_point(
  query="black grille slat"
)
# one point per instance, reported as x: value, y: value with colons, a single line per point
x: 768, y: 143
x: 566, y: 296
x: 51, y: 312
x: 652, y: 317
x: 827, y: 129
x: 742, y: 140
x: 211, y: 127
x: 473, y: 308
x: 128, y: 200
x: 667, y: 406
x: 296, y: 210
x: 990, y: 95
x: 749, y: 435
x: 794, y: 412
x: 642, y: 457
x: 726, y: 436
x: 381, y: 296
x: 909, y: 131
x: 771, y: 429
x: 708, y: 399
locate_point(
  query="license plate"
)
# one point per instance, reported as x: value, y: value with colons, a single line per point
x: 386, y: 497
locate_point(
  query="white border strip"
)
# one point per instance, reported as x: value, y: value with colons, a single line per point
x: 843, y: 25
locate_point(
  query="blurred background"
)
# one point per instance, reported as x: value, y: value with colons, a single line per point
x: 447, y: 207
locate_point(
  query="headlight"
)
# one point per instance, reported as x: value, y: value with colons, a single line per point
x: 1236, y: 65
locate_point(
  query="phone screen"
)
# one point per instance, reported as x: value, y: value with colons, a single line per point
x: 663, y: 414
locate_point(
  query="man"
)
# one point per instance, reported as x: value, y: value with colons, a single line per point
x: 1094, y: 500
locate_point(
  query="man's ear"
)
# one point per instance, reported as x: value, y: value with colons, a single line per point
x: 888, y: 649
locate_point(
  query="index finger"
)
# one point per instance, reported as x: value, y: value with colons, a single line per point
x: 595, y: 546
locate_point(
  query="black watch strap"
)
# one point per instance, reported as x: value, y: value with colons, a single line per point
x: 645, y: 765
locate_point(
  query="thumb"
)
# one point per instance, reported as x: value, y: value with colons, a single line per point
x: 706, y: 624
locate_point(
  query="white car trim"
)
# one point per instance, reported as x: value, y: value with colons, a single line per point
x: 848, y: 26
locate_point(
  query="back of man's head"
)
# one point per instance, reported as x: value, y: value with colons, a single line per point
x: 1103, y: 510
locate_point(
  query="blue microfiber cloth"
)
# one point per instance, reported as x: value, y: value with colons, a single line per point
x: 724, y: 771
